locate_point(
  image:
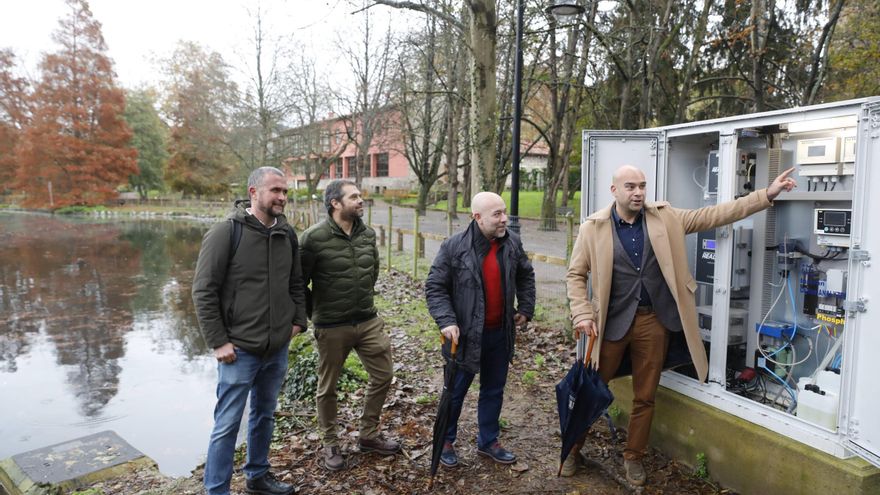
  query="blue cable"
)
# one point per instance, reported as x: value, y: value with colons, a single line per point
x: 793, y: 310
x: 787, y: 388
x: 794, y: 318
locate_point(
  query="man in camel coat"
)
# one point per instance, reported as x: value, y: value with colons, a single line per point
x: 632, y: 254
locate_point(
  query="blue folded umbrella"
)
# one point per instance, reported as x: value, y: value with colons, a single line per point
x: 581, y: 398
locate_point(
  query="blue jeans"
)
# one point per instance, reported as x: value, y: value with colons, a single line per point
x: 261, y: 377
x: 493, y: 377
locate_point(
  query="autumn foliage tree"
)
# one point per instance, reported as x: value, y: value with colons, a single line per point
x: 200, y: 104
x: 77, y: 145
x: 14, y: 116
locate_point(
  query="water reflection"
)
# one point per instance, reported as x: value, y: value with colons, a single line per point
x: 98, y: 332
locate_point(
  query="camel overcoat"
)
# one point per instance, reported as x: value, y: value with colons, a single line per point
x: 591, y: 265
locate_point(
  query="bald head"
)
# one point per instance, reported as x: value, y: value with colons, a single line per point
x: 628, y: 186
x: 490, y: 213
x: 483, y: 200
x: 627, y: 172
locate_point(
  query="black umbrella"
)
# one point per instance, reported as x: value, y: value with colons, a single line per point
x: 581, y: 398
x: 442, y: 421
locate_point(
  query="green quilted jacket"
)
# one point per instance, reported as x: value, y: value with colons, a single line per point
x: 342, y: 271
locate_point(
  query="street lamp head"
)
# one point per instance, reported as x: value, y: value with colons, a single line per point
x: 564, y: 10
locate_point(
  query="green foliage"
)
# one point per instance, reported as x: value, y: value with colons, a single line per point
x: 552, y: 312
x: 701, y: 470
x: 503, y: 423
x: 539, y: 360
x: 90, y: 491
x: 353, y: 374
x: 78, y: 210
x: 301, y: 383
x: 529, y: 203
x: 530, y: 377
x: 426, y: 399
x: 614, y: 412
x: 149, y: 138
x: 854, y: 52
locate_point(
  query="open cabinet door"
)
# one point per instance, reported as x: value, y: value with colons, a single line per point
x: 605, y: 151
x: 861, y: 364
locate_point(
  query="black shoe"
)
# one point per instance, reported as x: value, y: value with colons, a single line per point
x: 268, y: 485
x: 498, y: 454
x: 448, y: 457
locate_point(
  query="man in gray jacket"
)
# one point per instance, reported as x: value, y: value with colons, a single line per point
x: 470, y: 291
x: 250, y: 301
x: 340, y: 259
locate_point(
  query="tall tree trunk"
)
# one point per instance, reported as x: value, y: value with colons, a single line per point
x: 483, y: 28
x: 454, y: 117
x: 693, y: 57
x: 579, y: 90
x: 658, y: 40
x: 468, y: 185
x: 819, y: 63
x: 761, y: 27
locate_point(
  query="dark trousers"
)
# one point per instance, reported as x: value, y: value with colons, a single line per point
x: 647, y: 341
x: 493, y: 377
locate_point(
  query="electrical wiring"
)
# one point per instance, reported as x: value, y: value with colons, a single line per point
x: 785, y: 385
x: 761, y: 325
x: 694, y: 178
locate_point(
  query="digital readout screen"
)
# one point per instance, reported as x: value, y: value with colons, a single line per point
x: 834, y: 218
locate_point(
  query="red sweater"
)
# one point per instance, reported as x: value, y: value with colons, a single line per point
x: 492, y: 287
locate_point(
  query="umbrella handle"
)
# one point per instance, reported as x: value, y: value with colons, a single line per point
x: 589, y: 350
x: 443, y: 341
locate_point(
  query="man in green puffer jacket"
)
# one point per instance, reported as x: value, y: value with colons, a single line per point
x: 249, y: 303
x: 340, y: 259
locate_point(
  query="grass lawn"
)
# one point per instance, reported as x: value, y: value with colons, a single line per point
x: 529, y: 203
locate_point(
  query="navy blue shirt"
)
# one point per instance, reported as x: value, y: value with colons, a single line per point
x: 632, y: 238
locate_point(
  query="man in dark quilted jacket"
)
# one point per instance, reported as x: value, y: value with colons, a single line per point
x: 340, y: 260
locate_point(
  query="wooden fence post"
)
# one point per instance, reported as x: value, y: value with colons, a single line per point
x: 390, y: 219
x: 416, y: 243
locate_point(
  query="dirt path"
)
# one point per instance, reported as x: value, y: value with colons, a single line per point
x: 529, y: 418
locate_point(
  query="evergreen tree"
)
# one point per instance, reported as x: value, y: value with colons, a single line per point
x: 150, y: 137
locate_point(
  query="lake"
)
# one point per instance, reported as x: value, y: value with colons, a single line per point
x: 98, y: 332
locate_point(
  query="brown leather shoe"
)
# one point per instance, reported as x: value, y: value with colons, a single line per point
x: 635, y: 472
x: 570, y: 466
x: 379, y: 445
x: 333, y: 459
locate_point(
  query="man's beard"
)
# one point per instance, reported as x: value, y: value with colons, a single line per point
x: 271, y: 210
x: 352, y: 214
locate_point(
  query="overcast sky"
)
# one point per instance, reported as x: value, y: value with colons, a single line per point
x: 137, y: 31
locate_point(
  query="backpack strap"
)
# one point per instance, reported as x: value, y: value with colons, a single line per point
x: 234, y: 239
x: 292, y: 236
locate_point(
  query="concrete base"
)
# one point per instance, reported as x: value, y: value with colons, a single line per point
x: 743, y: 456
x: 67, y: 466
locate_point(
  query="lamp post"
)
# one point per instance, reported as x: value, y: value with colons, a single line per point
x: 562, y: 10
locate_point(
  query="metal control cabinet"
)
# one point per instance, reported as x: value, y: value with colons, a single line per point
x: 785, y: 293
